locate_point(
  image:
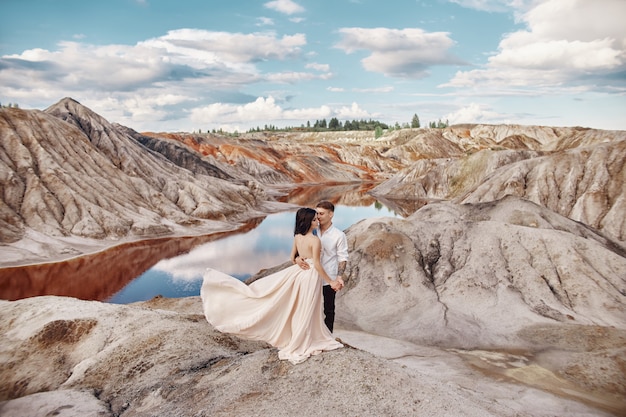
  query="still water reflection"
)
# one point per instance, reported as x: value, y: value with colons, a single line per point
x: 97, y: 276
x: 238, y: 255
x: 173, y: 267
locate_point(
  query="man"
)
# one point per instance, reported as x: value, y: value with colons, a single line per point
x: 334, y: 256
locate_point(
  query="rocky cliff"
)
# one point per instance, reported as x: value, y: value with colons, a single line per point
x: 70, y: 358
x: 67, y: 172
x: 520, y: 264
x: 586, y: 184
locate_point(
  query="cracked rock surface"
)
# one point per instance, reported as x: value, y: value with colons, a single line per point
x: 476, y: 275
x: 66, y: 357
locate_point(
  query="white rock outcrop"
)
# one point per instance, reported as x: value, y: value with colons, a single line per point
x: 476, y: 275
x: 66, y: 357
x: 85, y: 178
x: 586, y: 184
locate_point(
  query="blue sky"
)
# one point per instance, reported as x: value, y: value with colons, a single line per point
x: 184, y: 65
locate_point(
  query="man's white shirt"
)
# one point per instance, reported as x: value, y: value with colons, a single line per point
x: 334, y: 250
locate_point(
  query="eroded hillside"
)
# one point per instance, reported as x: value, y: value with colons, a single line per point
x: 67, y: 172
x: 586, y: 183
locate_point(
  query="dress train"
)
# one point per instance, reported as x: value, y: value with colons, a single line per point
x: 283, y: 309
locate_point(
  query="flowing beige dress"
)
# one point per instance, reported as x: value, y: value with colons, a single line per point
x: 283, y: 309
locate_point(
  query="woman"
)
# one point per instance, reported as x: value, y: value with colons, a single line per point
x: 283, y: 309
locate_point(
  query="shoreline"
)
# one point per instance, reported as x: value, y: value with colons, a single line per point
x: 104, y: 246
x: 54, y: 250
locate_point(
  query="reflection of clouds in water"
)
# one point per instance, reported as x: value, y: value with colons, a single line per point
x: 281, y: 233
x: 240, y: 255
x: 266, y: 246
x: 279, y: 226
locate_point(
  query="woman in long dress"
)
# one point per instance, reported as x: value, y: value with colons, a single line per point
x: 283, y: 309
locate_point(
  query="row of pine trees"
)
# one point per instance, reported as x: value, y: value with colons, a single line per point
x: 335, y: 124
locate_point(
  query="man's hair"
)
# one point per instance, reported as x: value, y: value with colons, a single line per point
x: 326, y: 205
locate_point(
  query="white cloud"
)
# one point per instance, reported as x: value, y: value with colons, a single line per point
x: 144, y: 108
x: 266, y: 110
x: 565, y: 41
x: 404, y: 53
x: 265, y: 21
x: 489, y: 5
x: 84, y: 67
x: 386, y: 89
x: 577, y: 20
x: 566, y: 48
x: 294, y: 77
x: 159, y: 78
x: 318, y: 67
x: 260, y: 110
x: 285, y: 6
x: 312, y: 113
x: 204, y: 46
x: 220, y: 59
x: 520, y: 52
x: 475, y: 113
x: 352, y: 112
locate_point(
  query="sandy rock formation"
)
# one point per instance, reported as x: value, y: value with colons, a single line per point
x: 182, y: 155
x: 505, y: 276
x: 475, y: 275
x: 67, y: 171
x: 68, y: 174
x: 586, y: 184
x: 540, y: 138
x: 497, y: 283
x: 446, y: 178
x: 291, y: 158
x: 61, y: 356
x: 197, y: 195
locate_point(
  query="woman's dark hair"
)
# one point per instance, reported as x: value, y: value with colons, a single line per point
x: 304, y: 217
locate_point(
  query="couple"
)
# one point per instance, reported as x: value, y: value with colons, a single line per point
x: 285, y: 308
